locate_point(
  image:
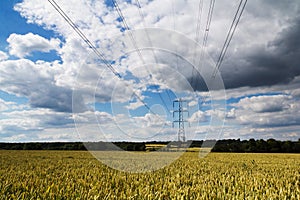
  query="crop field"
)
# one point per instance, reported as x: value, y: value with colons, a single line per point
x: 78, y: 175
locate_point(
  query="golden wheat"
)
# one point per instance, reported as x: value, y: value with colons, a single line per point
x: 78, y: 175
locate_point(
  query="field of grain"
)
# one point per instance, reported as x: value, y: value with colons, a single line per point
x: 78, y: 175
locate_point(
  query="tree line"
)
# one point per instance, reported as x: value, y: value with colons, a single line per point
x: 229, y: 145
x: 257, y: 146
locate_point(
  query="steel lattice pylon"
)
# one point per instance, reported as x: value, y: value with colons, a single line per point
x: 179, y: 103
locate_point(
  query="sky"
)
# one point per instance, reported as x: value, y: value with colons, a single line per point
x: 54, y: 87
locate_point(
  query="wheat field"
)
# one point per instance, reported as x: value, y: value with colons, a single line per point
x: 78, y: 175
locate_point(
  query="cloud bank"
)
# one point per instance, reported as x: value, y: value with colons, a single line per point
x: 261, y: 70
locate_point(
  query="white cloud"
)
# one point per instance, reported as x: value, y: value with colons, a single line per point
x: 90, y: 117
x: 261, y: 104
x: 134, y: 105
x: 231, y: 113
x: 34, y: 125
x: 5, y: 105
x: 264, y: 111
x: 41, y: 117
x: 23, y: 45
x: 97, y: 126
x: 246, y: 132
x: 3, y: 56
x: 150, y: 120
x: 193, y: 103
x: 19, y: 124
x: 198, y: 116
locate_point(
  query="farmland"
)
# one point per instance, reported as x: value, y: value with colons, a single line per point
x: 78, y: 175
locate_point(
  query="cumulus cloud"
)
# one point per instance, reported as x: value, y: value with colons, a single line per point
x: 150, y: 120
x: 3, y: 56
x: 134, y: 105
x: 7, y: 105
x: 92, y: 117
x: 29, y: 125
x: 246, y: 132
x: 35, y: 81
x: 261, y: 104
x: 198, y: 116
x: 268, y: 111
x: 263, y: 42
x: 23, y: 45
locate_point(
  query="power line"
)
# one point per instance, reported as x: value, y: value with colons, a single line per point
x: 200, y: 7
x: 230, y: 34
x: 83, y: 37
x: 127, y: 27
x: 174, y: 27
x: 96, y: 51
x: 208, y: 22
x: 205, y: 39
x: 149, y: 39
x: 151, y: 45
x: 144, y: 24
x: 207, y: 30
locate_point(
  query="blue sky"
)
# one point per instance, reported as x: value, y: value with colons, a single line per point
x: 54, y: 89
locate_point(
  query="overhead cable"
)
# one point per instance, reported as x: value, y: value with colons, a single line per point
x: 135, y: 43
x: 83, y: 37
x: 230, y: 34
x: 208, y: 22
x: 123, y: 20
x: 95, y: 50
x: 198, y: 26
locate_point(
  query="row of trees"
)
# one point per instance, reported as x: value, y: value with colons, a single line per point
x: 231, y: 145
x: 97, y: 146
x: 257, y: 146
x: 43, y: 146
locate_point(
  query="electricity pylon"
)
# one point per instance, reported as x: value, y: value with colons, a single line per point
x: 180, y: 120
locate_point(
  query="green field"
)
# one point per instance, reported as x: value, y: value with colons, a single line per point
x: 78, y: 175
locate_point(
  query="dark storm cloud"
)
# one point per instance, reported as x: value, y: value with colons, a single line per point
x: 275, y: 63
x: 55, y: 98
x: 58, y: 99
x: 288, y: 45
x: 197, y: 82
x: 28, y: 79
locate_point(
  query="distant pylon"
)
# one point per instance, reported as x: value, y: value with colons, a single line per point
x: 180, y: 120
